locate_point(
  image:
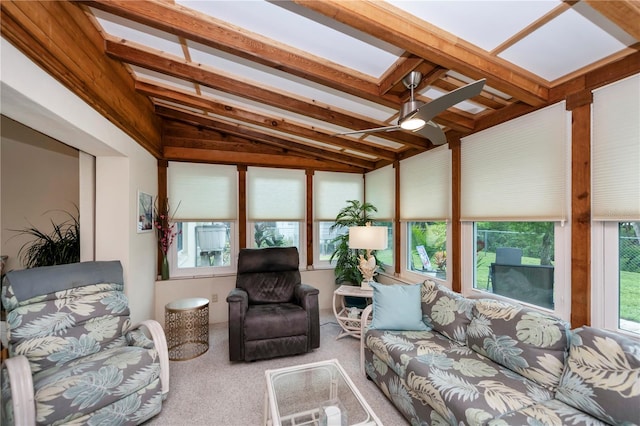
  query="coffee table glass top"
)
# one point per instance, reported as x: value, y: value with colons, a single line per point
x: 297, y: 394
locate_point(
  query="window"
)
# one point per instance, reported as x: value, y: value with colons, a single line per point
x: 385, y: 256
x: 516, y: 260
x: 205, y: 216
x: 380, y: 192
x: 203, y: 245
x: 629, y: 276
x: 326, y: 237
x: 616, y: 206
x: 275, y: 234
x: 427, y: 248
x: 276, y: 207
x: 331, y: 191
x: 425, y: 206
x: 514, y: 203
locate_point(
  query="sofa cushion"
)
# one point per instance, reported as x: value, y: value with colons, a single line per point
x: 397, y: 307
x: 396, y: 348
x: 551, y: 412
x: 602, y: 376
x: 529, y: 342
x: 446, y: 311
x: 465, y: 387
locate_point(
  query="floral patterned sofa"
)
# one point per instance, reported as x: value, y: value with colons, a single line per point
x: 74, y: 356
x: 489, y: 362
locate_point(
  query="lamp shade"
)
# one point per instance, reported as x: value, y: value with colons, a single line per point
x: 368, y: 237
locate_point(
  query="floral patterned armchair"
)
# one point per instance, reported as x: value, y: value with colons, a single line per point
x: 73, y: 355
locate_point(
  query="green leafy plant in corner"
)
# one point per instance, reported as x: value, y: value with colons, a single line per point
x: 346, y: 259
x: 60, y: 246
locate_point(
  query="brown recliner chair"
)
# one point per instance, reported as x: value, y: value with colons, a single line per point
x: 271, y: 313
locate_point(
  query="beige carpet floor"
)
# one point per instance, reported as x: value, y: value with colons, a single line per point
x: 210, y: 390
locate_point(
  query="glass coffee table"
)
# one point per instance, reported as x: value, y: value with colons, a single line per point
x: 315, y: 394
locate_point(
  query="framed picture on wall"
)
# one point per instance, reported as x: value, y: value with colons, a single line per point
x: 145, y: 212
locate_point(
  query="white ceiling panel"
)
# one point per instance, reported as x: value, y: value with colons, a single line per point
x: 562, y: 46
x: 267, y: 77
x: 166, y: 80
x: 267, y: 110
x: 138, y: 33
x: 286, y: 23
x: 485, y: 24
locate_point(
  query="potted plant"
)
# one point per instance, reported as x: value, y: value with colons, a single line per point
x: 60, y: 246
x: 354, y: 213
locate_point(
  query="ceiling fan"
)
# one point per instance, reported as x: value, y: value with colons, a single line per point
x: 416, y: 116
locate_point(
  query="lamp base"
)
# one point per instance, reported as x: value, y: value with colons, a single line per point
x: 365, y: 285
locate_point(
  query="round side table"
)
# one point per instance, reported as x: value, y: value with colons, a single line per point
x: 187, y: 328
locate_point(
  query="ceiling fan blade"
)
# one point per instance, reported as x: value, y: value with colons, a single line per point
x: 429, y: 110
x: 433, y: 132
x: 374, y: 130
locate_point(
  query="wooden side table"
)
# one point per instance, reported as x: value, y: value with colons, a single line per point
x: 350, y: 326
x: 187, y: 328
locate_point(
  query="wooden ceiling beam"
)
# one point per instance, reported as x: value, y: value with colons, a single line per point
x: 197, y: 120
x: 623, y: 13
x: 212, y: 32
x: 59, y: 38
x: 163, y: 63
x: 397, y: 72
x: 173, y: 153
x: 382, y: 20
x: 279, y: 124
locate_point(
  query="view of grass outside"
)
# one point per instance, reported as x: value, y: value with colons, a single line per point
x: 629, y: 267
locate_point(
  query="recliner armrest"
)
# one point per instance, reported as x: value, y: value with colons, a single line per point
x: 238, y: 295
x: 238, y: 301
x: 302, y: 293
x: 160, y: 342
x: 307, y: 297
x: 22, y: 394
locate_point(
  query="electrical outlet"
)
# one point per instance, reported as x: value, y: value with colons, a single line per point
x: 214, y: 298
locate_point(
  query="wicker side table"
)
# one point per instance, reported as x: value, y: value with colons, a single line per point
x: 187, y: 328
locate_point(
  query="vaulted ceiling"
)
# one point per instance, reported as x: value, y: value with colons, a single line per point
x: 271, y: 82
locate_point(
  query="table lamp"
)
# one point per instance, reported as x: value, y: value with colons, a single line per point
x: 367, y: 238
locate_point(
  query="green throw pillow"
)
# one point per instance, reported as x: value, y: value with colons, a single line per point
x: 397, y: 307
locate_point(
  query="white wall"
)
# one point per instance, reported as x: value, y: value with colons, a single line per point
x: 39, y: 184
x: 122, y: 167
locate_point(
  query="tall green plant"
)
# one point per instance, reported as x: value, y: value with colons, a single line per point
x: 354, y: 213
x: 60, y: 246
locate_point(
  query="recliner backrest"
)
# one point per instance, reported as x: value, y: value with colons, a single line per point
x: 60, y: 313
x: 268, y: 275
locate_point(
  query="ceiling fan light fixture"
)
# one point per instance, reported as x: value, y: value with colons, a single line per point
x: 413, y: 123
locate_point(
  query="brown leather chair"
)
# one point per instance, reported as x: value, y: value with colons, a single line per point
x: 271, y: 313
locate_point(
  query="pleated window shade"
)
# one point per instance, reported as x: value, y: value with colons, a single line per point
x: 205, y: 191
x: 517, y: 170
x: 425, y: 186
x: 380, y: 189
x: 615, y: 153
x: 331, y: 191
x: 275, y: 194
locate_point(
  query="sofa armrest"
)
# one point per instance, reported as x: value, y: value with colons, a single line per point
x: 238, y: 301
x: 307, y: 297
x: 365, y: 320
x: 160, y: 342
x: 21, y: 386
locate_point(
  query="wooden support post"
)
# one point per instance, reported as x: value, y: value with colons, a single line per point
x: 580, y: 106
